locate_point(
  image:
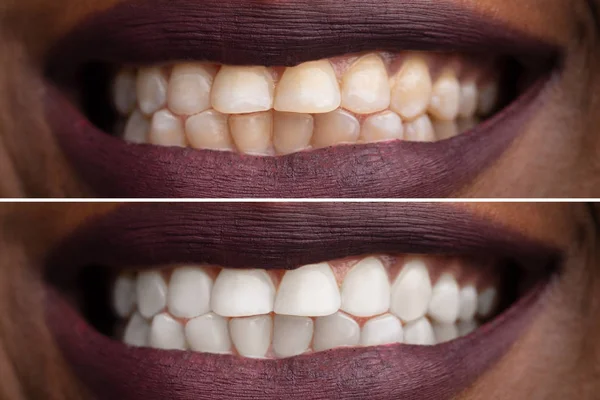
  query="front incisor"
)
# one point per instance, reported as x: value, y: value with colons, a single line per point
x: 239, y: 90
x: 252, y: 133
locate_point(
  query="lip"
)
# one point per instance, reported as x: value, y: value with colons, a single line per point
x: 251, y: 235
x: 275, y: 33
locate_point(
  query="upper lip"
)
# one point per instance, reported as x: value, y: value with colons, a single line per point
x: 283, y: 236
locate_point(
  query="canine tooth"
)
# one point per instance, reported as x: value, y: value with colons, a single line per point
x: 334, y: 128
x: 384, y: 329
x: 365, y: 86
x: 240, y: 90
x: 241, y: 293
x: 380, y: 127
x: 189, y: 88
x: 166, y: 333
x: 335, y: 330
x: 468, y: 100
x: 208, y: 130
x: 444, y: 303
x: 292, y: 132
x: 419, y: 332
x: 252, y: 132
x: 137, y: 331
x: 445, y: 332
x: 445, y: 129
x: 124, y: 91
x: 467, y: 303
x: 123, y: 298
x: 310, y: 88
x: 151, y: 89
x: 208, y: 333
x: 411, y: 291
x: 252, y: 335
x: 366, y: 289
x: 486, y: 302
x: 136, y: 128
x: 166, y: 129
x: 291, y: 335
x: 419, y: 130
x: 309, y: 291
x: 189, y: 292
x: 466, y: 327
x: 488, y: 99
x: 411, y: 88
x: 445, y: 97
x: 151, y: 293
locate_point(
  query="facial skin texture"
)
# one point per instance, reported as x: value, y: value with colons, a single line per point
x: 556, y: 156
x: 557, y: 357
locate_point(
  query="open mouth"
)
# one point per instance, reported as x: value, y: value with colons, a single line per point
x: 389, y: 298
x: 268, y: 109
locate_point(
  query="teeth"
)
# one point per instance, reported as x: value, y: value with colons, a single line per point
x: 137, y: 331
x: 189, y: 292
x: 366, y: 289
x: 445, y: 97
x: 488, y: 99
x: 466, y: 327
x: 443, y: 306
x: 381, y: 127
x: 467, y: 303
x: 411, y: 88
x: 240, y: 293
x: 167, y: 129
x: 291, y: 335
x: 136, y: 128
x: 208, y: 333
x: 252, y: 132
x: 151, y: 88
x: 240, y: 90
x: 467, y: 124
x: 384, y: 329
x: 334, y: 128
x: 124, y: 96
x: 309, y: 291
x: 419, y: 332
x: 123, y: 299
x: 468, y: 100
x: 419, y: 130
x: 251, y: 336
x: 189, y: 88
x: 445, y: 332
x: 309, y: 88
x: 365, y: 87
x: 151, y: 293
x: 486, y: 302
x: 445, y: 129
x: 335, y: 330
x: 411, y: 292
x: 208, y: 130
x: 292, y: 132
x: 166, y: 333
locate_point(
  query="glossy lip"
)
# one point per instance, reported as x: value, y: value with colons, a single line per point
x: 287, y: 236
x: 276, y: 33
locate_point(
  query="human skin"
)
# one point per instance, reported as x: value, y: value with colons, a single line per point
x: 556, y: 356
x: 554, y: 154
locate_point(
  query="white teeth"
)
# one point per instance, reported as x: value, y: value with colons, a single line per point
x: 419, y: 332
x: 384, y: 329
x: 445, y: 129
x: 411, y: 291
x: 486, y: 302
x: 151, y: 293
x: 137, y: 331
x: 444, y: 303
x: 467, y: 303
x: 208, y: 130
x: 292, y: 132
x: 445, y: 98
x: 411, y: 88
x: 466, y: 327
x: 166, y: 333
x: 310, y: 88
x: 151, y: 88
x: 208, y: 333
x: 366, y: 289
x: 488, y: 99
x: 335, y: 330
x: 240, y: 90
x: 251, y: 336
x: 419, y: 130
x: 124, y: 91
x: 384, y: 126
x: 365, y: 87
x: 309, y: 291
x: 189, y: 88
x: 189, y: 292
x: 445, y: 332
x: 468, y: 100
x: 166, y: 129
x: 123, y: 298
x: 240, y: 293
x: 291, y: 335
x: 335, y: 128
x: 252, y: 133
x: 136, y: 128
